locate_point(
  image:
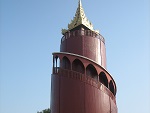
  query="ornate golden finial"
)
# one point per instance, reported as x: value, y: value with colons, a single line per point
x: 79, y: 19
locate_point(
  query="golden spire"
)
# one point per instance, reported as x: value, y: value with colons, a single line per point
x: 79, y: 19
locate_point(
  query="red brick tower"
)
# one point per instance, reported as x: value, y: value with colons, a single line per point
x: 80, y: 82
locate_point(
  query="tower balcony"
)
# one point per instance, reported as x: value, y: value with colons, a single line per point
x: 84, y: 78
x: 84, y: 69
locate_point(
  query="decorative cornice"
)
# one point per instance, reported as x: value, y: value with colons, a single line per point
x: 79, y: 19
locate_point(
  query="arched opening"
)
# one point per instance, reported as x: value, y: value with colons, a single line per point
x: 103, y: 79
x: 78, y: 66
x: 65, y: 63
x: 91, y: 71
x: 56, y: 64
x: 111, y: 87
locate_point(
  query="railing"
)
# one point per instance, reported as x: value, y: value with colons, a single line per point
x: 87, y: 79
x: 82, y: 33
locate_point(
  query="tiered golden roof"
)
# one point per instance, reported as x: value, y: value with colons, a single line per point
x: 79, y: 19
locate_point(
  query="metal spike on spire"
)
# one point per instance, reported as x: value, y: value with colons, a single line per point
x: 80, y: 3
x: 79, y: 19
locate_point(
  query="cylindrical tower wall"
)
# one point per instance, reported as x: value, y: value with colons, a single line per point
x: 77, y: 96
x: 87, y: 44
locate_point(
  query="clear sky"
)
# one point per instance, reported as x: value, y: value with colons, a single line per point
x: 30, y: 30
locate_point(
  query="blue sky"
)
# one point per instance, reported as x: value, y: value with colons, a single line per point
x: 30, y: 30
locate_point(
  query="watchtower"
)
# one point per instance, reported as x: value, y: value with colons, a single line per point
x: 80, y: 82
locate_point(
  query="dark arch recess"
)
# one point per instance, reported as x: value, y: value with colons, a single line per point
x: 91, y: 71
x: 103, y: 79
x: 111, y: 87
x: 78, y: 66
x: 65, y: 63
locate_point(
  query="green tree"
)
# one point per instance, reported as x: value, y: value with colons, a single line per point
x: 45, y: 111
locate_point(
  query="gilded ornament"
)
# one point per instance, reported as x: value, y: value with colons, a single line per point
x: 79, y: 19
